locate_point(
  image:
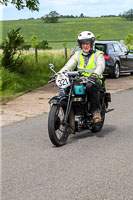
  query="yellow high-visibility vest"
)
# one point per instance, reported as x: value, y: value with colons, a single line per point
x: 91, y: 66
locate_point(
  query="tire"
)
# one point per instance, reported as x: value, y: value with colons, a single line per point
x: 116, y: 72
x: 57, y: 130
x: 98, y: 126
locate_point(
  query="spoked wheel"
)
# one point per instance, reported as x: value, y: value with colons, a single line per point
x: 58, y: 131
x: 98, y: 126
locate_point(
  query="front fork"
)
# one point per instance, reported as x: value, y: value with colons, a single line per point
x: 69, y: 104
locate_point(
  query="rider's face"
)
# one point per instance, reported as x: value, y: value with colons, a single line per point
x: 86, y: 47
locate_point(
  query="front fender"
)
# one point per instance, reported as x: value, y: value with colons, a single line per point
x: 57, y: 99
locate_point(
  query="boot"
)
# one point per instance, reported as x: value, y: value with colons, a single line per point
x: 96, y: 117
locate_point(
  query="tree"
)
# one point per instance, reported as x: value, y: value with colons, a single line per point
x: 43, y: 45
x: 21, y: 4
x: 129, y: 41
x: 34, y: 41
x: 98, y: 37
x: 81, y: 15
x: 39, y: 45
x: 52, y: 17
x: 128, y: 15
x: 10, y: 59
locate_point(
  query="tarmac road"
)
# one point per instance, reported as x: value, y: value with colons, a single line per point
x: 36, y: 103
x: 89, y: 167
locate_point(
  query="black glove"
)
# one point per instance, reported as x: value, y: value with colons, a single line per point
x: 95, y: 78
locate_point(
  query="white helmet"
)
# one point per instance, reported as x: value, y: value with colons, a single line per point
x: 85, y: 37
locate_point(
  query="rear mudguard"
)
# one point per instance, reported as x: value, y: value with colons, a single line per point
x: 57, y: 99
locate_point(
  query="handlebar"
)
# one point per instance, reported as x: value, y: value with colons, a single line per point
x: 52, y: 79
x: 75, y: 75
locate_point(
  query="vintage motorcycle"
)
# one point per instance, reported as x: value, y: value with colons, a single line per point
x: 70, y: 110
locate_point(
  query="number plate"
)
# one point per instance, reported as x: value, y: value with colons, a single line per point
x: 62, y: 81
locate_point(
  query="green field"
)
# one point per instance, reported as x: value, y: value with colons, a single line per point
x: 31, y: 75
x: 109, y: 28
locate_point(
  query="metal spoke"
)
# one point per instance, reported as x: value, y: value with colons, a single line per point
x: 60, y: 114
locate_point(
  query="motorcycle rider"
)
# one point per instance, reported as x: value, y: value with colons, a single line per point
x: 90, y: 62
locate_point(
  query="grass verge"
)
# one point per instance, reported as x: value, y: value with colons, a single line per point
x: 29, y: 76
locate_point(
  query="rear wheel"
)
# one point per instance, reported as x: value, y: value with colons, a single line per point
x: 57, y: 130
x: 98, y: 126
x: 116, y: 72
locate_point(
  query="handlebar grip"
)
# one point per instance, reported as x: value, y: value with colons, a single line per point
x: 52, y: 77
x: 73, y: 73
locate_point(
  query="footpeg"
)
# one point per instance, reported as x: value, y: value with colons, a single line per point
x: 109, y: 110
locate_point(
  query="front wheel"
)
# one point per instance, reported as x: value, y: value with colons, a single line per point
x: 57, y: 130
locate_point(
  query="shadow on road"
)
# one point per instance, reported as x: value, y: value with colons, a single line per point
x: 107, y: 129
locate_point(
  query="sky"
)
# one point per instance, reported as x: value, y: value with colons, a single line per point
x: 91, y: 8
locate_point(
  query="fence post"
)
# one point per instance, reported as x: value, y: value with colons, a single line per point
x: 65, y: 54
x: 36, y: 54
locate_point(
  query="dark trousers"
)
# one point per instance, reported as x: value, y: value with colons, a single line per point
x: 93, y: 93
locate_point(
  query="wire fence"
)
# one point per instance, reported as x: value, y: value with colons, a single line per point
x: 66, y: 46
x: 52, y: 44
x: 47, y: 45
